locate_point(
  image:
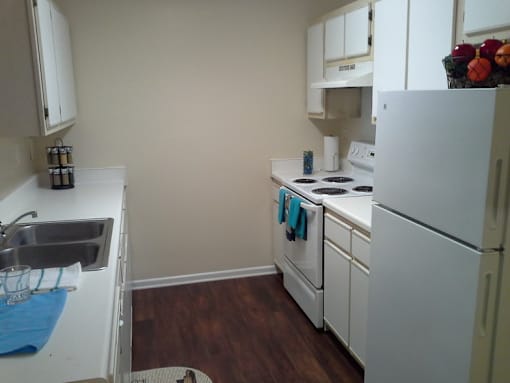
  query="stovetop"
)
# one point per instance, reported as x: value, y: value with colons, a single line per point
x: 340, y: 184
x: 330, y: 185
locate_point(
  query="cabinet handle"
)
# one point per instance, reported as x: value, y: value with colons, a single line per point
x: 360, y: 235
x: 336, y: 249
x: 337, y: 221
x: 121, y: 323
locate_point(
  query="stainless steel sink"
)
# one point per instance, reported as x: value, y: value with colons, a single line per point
x: 54, y: 232
x: 59, y: 244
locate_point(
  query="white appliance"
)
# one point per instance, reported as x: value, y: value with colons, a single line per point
x: 436, y: 312
x: 303, y: 259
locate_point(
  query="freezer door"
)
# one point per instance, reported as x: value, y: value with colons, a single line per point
x: 431, y: 306
x: 442, y: 159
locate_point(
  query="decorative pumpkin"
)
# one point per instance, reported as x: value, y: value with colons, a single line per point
x: 479, y: 69
x: 502, y: 57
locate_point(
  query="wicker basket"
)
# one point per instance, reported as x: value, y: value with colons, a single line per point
x: 457, y: 76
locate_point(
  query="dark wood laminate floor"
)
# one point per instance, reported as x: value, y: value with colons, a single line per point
x: 244, y: 330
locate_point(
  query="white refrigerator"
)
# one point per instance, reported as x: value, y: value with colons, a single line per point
x: 439, y: 296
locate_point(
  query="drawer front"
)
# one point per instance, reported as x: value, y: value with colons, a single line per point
x: 275, y: 192
x: 337, y: 232
x: 361, y: 247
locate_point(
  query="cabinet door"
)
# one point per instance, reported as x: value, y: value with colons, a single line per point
x: 315, y: 67
x: 64, y: 64
x: 334, y: 46
x: 431, y: 37
x: 48, y: 62
x: 337, y: 271
x: 357, y: 28
x: 358, y: 311
x: 486, y: 15
x: 390, y: 48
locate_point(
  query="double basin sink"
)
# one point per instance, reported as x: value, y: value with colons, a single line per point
x: 58, y: 244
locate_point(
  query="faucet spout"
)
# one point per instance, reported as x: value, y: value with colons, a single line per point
x: 5, y: 228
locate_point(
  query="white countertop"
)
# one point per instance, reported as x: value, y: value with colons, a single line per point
x: 79, y: 347
x: 358, y: 210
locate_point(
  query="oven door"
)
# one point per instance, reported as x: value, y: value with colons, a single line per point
x: 306, y: 255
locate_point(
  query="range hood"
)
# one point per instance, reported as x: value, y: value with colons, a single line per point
x: 356, y: 75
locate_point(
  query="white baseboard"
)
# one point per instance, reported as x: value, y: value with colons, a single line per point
x: 202, y: 277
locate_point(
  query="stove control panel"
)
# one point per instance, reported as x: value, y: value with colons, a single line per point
x: 362, y: 155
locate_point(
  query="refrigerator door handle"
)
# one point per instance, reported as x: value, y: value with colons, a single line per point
x: 497, y: 192
x: 488, y: 303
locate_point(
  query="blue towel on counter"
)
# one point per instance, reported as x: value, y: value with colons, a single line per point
x: 297, y: 217
x: 26, y: 327
x: 281, y: 205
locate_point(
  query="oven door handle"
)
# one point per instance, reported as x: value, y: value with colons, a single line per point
x: 308, y: 207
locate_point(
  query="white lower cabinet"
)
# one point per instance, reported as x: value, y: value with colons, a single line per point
x: 346, y: 280
x: 358, y: 311
x: 120, y: 361
x: 337, y: 270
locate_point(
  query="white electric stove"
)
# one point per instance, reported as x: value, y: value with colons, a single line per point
x: 303, y: 257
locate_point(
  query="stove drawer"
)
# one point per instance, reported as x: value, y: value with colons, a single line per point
x: 337, y: 232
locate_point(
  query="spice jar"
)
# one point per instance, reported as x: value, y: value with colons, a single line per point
x: 70, y: 171
x: 64, y: 176
x: 57, y: 182
x: 54, y: 155
x: 62, y: 157
x: 69, y: 150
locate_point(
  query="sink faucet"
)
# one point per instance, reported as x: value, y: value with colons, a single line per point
x: 4, y: 228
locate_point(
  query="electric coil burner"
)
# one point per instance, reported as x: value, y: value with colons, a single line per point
x: 338, y: 179
x: 364, y: 189
x: 305, y: 181
x: 329, y: 191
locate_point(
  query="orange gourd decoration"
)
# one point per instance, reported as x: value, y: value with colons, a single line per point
x: 502, y: 57
x: 479, y: 68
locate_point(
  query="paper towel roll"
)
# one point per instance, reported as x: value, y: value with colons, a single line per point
x: 331, y: 156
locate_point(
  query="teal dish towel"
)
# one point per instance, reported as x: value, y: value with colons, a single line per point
x: 297, y: 217
x: 26, y: 327
x: 281, y: 205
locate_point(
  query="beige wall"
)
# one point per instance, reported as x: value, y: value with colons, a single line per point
x: 15, y: 163
x: 194, y: 96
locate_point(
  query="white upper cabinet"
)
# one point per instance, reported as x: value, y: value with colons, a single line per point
x: 431, y: 38
x: 36, y: 71
x: 390, y: 48
x: 334, y: 46
x: 64, y: 63
x: 486, y: 15
x: 315, y: 69
x: 48, y: 61
x: 411, y: 39
x: 357, y: 30
x: 347, y: 34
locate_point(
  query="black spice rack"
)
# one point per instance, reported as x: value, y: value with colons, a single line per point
x: 60, y: 165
